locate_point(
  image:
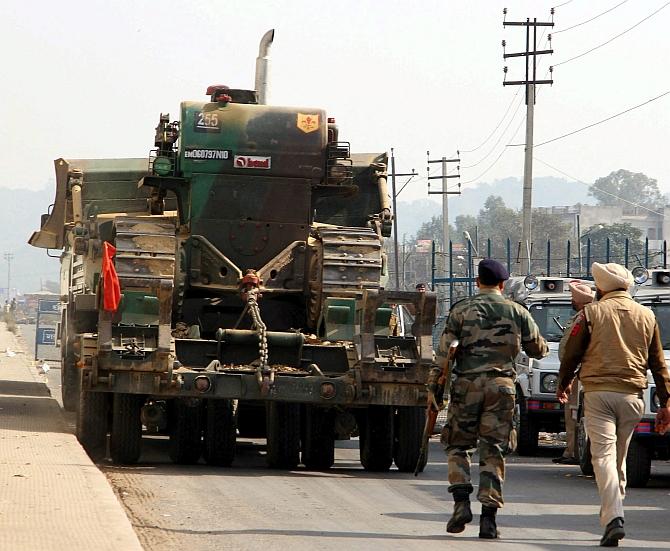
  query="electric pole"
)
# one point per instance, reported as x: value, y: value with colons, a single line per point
x: 444, y: 193
x: 9, y: 257
x: 530, y: 82
x: 395, y: 216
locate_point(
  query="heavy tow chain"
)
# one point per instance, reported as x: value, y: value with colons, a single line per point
x: 260, y: 327
x: 264, y: 372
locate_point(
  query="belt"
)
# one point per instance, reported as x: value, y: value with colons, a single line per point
x: 491, y: 374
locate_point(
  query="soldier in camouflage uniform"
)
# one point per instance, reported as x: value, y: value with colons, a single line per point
x: 491, y: 331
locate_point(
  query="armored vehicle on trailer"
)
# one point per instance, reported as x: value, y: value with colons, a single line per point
x: 234, y: 281
x: 549, y: 301
x: 652, y: 289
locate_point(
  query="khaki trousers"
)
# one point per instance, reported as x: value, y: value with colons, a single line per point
x: 570, y: 416
x: 610, y: 419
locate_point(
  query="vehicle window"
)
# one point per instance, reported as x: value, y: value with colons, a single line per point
x: 662, y: 313
x: 545, y: 314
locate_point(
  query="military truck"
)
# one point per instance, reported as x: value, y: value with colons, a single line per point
x: 235, y: 280
x: 652, y: 289
x: 549, y: 301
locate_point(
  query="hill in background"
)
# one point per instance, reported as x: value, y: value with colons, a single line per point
x: 20, y: 212
x: 547, y: 192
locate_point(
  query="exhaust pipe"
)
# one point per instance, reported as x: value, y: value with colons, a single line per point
x: 263, y: 65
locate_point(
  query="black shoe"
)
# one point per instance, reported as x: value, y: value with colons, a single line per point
x: 613, y: 533
x: 487, y: 524
x: 462, y: 515
x: 565, y: 460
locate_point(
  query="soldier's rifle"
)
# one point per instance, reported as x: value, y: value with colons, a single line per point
x: 436, y: 403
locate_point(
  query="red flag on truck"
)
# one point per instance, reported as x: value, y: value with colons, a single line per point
x: 111, y: 288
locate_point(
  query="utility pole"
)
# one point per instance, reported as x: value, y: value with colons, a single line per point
x: 444, y: 193
x: 9, y: 257
x: 445, y: 202
x: 395, y: 216
x: 530, y: 82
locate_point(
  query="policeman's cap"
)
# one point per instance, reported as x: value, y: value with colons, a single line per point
x: 492, y: 272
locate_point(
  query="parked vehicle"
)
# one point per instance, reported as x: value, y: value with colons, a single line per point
x: 548, y: 300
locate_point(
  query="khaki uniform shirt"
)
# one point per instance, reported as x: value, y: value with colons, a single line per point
x: 615, y: 340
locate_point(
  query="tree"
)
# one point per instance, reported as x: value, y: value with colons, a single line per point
x: 498, y: 222
x: 466, y: 223
x: 433, y: 230
x: 617, y: 234
x: 550, y: 227
x: 621, y: 188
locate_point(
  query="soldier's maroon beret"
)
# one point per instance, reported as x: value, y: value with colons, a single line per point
x: 492, y: 272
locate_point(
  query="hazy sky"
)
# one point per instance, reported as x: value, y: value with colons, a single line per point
x: 89, y: 78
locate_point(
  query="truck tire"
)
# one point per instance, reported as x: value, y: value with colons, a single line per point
x: 185, y: 432
x: 69, y: 377
x: 251, y: 420
x: 93, y: 423
x: 409, y: 426
x: 220, y: 433
x: 318, y: 445
x: 638, y: 464
x: 584, y: 449
x: 125, y: 442
x: 283, y: 435
x: 376, y: 438
x: 528, y: 433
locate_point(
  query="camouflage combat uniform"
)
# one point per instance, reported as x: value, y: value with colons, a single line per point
x: 491, y: 330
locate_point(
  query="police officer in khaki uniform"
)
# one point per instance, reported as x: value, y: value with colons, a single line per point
x: 582, y: 294
x: 491, y: 331
x: 615, y: 340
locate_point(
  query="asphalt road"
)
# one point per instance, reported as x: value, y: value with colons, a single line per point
x: 251, y: 507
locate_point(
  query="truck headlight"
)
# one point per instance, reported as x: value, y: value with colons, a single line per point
x: 549, y: 382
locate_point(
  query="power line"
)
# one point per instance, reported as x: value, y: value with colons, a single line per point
x: 592, y: 19
x: 611, y: 39
x: 496, y: 128
x: 502, y: 151
x: 508, y: 124
x: 501, y: 120
x: 561, y: 5
x: 499, y: 138
x: 596, y: 123
x: 637, y: 205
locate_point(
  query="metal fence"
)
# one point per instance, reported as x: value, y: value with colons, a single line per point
x: 569, y: 260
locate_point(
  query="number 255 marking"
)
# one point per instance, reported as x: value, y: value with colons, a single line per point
x: 208, y: 120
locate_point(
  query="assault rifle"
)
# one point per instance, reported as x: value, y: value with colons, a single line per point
x: 436, y: 403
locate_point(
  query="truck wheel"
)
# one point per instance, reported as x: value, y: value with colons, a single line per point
x: 318, y: 446
x: 126, y: 435
x: 220, y: 432
x: 376, y: 438
x: 528, y: 433
x: 409, y: 425
x: 185, y: 432
x: 283, y: 435
x: 93, y: 422
x: 638, y: 464
x: 584, y: 449
x: 69, y: 378
x: 251, y: 420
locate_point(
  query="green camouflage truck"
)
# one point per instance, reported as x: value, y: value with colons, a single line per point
x: 251, y: 300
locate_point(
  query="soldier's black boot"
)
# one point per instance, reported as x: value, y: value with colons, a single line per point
x: 487, y: 523
x: 462, y: 512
